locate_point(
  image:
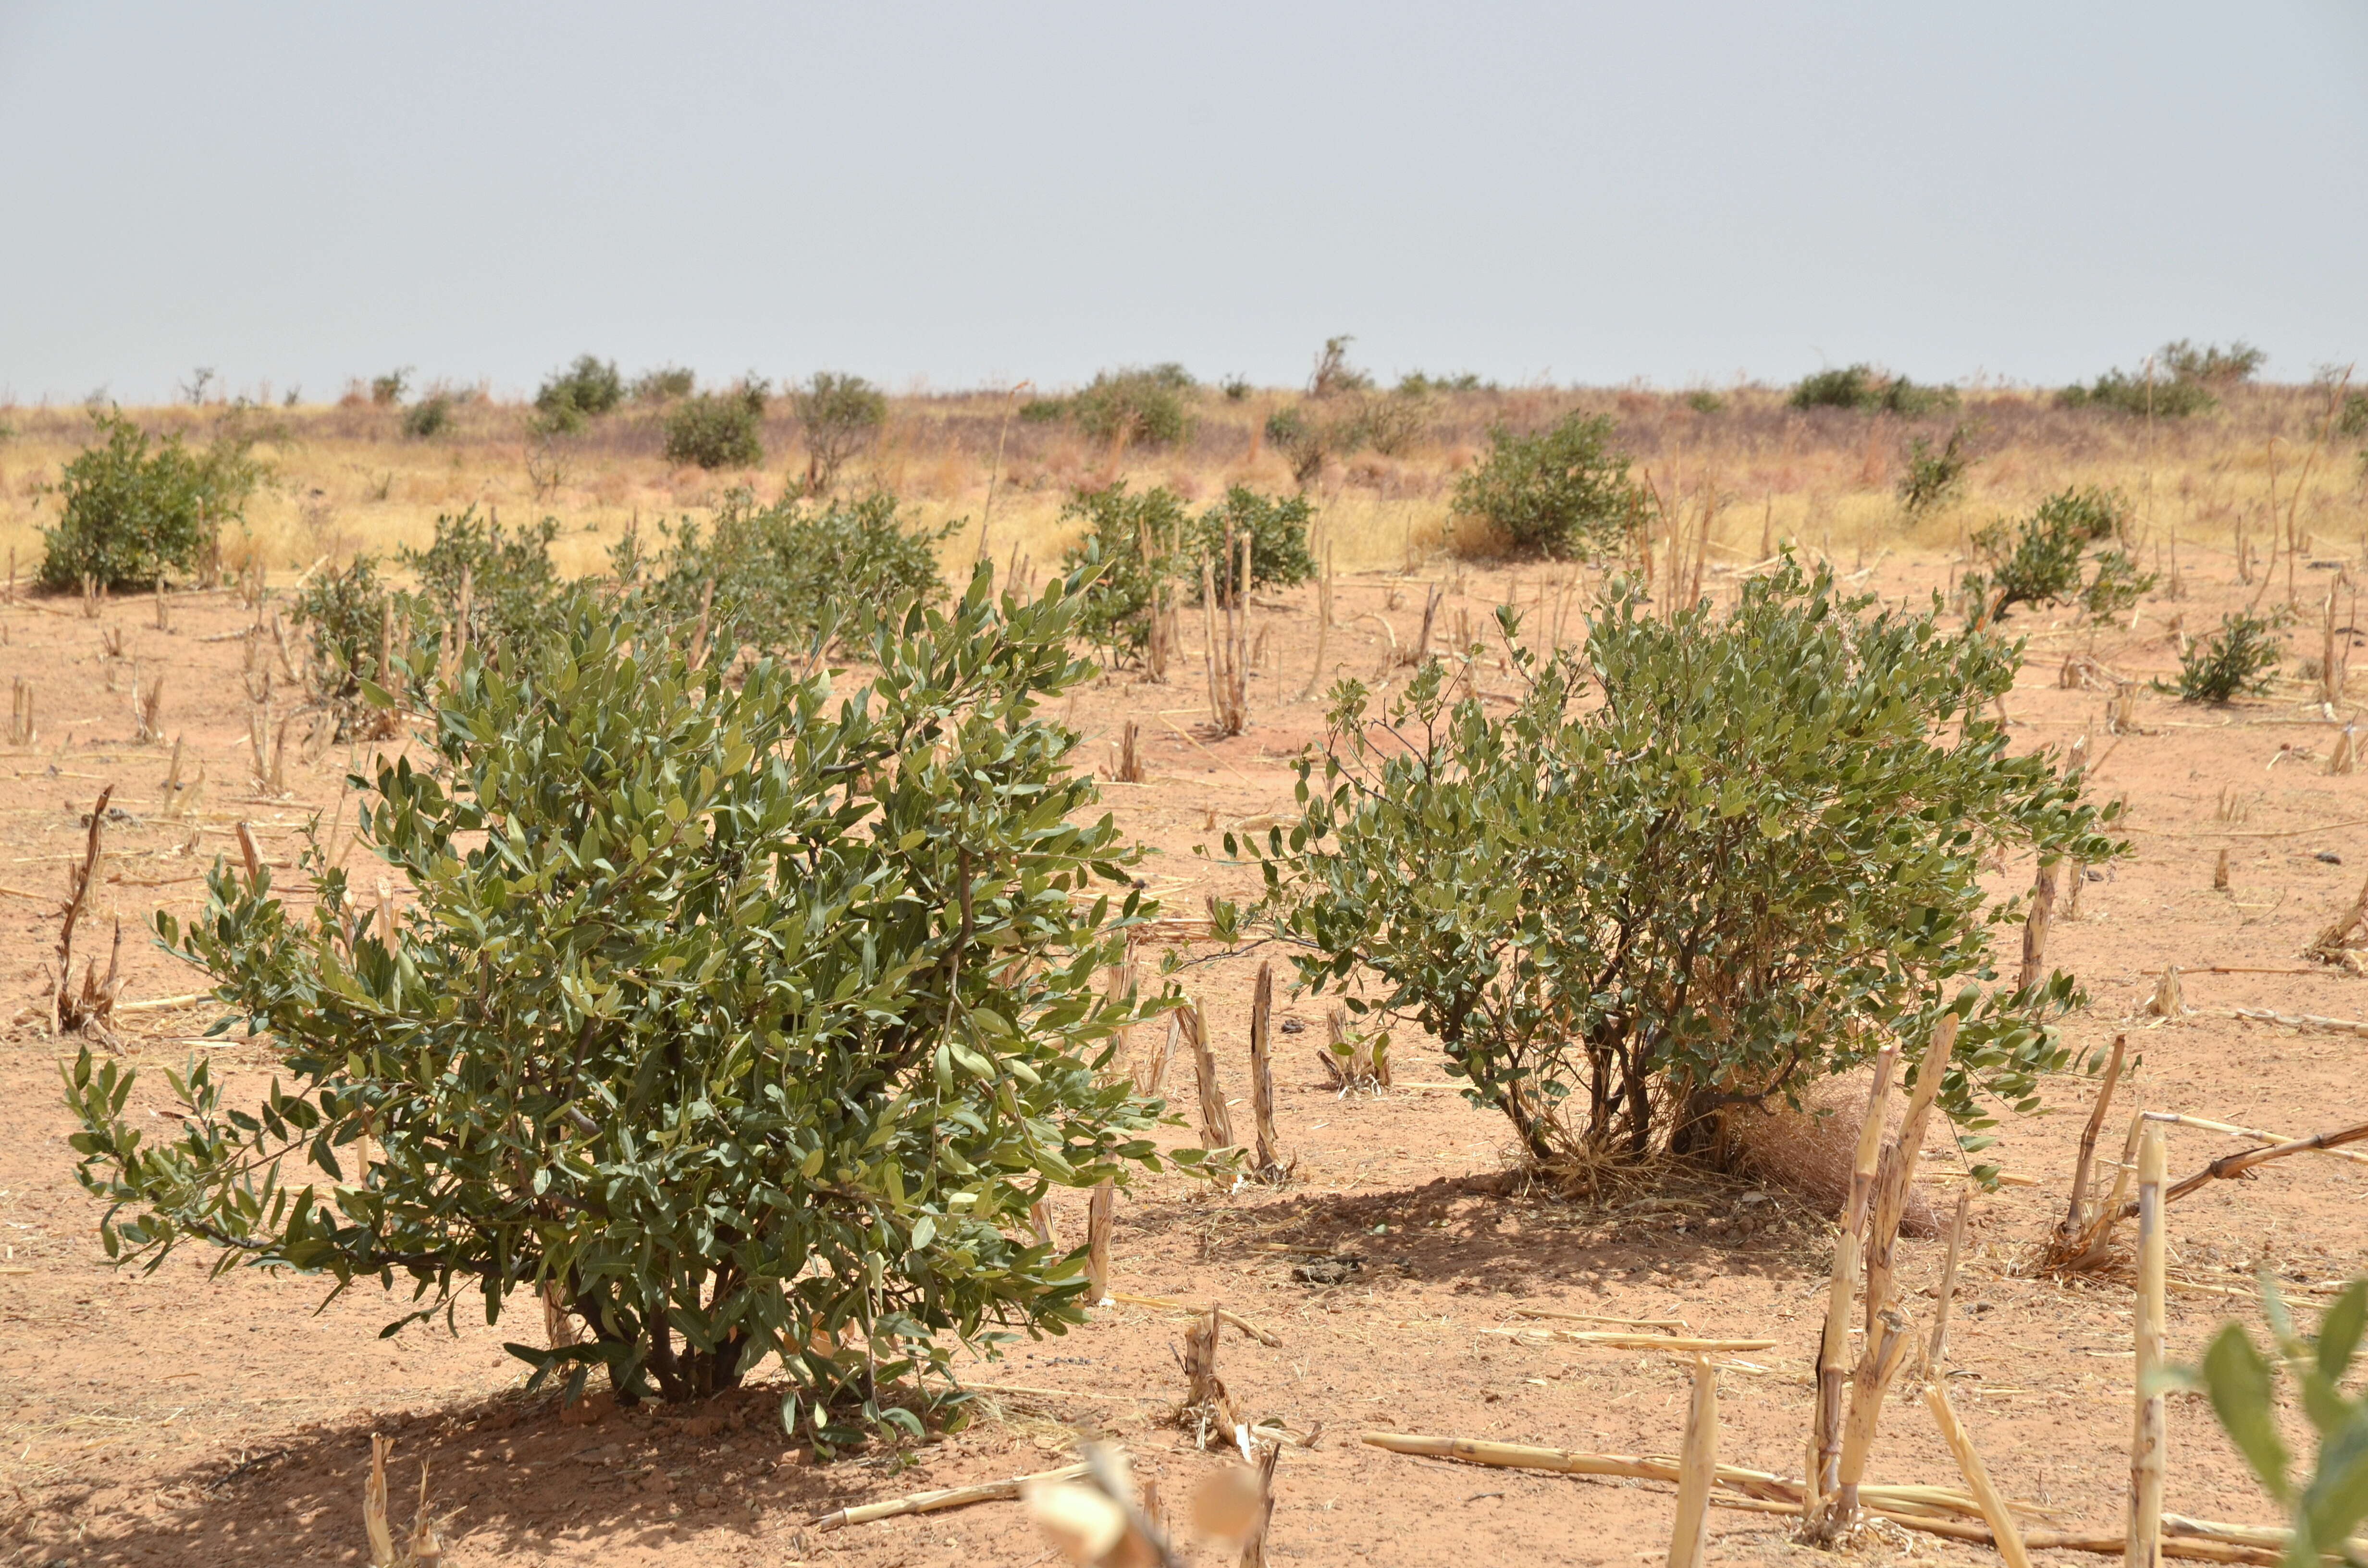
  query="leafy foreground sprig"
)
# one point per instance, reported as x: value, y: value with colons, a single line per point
x: 748, y: 1020
x: 2324, y: 1507
x: 1702, y: 860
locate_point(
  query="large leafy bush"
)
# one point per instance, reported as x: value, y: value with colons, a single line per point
x: 585, y: 390
x: 1701, y: 861
x: 1141, y: 544
x: 1136, y: 407
x: 1562, y: 492
x: 135, y: 513
x: 746, y: 1018
x: 841, y: 415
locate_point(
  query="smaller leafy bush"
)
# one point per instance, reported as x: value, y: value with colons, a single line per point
x: 716, y: 430
x: 387, y: 390
x: 1934, y: 477
x: 1562, y: 492
x: 2126, y: 394
x: 1867, y: 389
x: 1277, y: 529
x: 1390, y: 426
x: 841, y: 415
x: 2351, y: 419
x: 341, y: 610
x: 427, y: 418
x: 2239, y: 660
x: 1044, y: 411
x: 664, y: 384
x: 512, y: 583
x: 1137, y: 542
x: 2041, y: 560
x: 133, y: 513
x: 2326, y: 1506
x: 1141, y: 407
x: 1301, y: 442
x: 589, y: 388
x: 2210, y: 364
x: 1703, y: 401
x: 784, y: 578
x: 1236, y: 389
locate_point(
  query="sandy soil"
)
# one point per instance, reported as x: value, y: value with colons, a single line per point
x: 171, y: 1417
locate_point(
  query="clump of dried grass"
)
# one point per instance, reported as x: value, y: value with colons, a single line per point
x: 1808, y: 1150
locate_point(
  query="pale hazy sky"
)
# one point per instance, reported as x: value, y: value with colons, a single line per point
x: 302, y: 193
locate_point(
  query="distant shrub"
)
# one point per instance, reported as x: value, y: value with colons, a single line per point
x: 664, y: 384
x: 1417, y: 384
x: 1277, y: 529
x: 1703, y: 401
x: 1562, y: 492
x: 716, y: 430
x: 387, y: 390
x: 1869, y: 390
x: 1141, y: 407
x: 2239, y: 660
x: 2040, y: 559
x: 134, y: 515
x: 589, y: 387
x: 1300, y: 441
x: 1234, y: 388
x: 1933, y: 477
x: 2351, y: 419
x: 1044, y: 410
x: 841, y: 415
x: 1390, y: 426
x: 428, y: 416
x: 1333, y: 374
x: 2186, y: 381
x: 2210, y: 364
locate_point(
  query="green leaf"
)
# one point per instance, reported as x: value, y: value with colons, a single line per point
x: 2244, y: 1397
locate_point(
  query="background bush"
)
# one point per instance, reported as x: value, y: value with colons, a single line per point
x: 1707, y: 858
x: 1139, y: 407
x: 716, y: 430
x: 2187, y: 380
x: 1864, y: 388
x: 664, y: 384
x: 1934, y: 477
x: 585, y: 390
x: 841, y: 415
x: 1137, y: 542
x: 133, y: 513
x: 1277, y: 529
x: 2041, y: 559
x: 1562, y: 492
x: 747, y: 1018
x: 512, y: 585
x: 428, y: 416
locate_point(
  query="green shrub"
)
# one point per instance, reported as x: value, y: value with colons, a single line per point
x: 2352, y: 418
x: 2324, y: 1509
x: 1390, y: 426
x: 1934, y: 477
x: 1302, y: 443
x: 664, y: 384
x: 1044, y: 411
x: 787, y: 577
x: 590, y: 387
x: 1864, y: 388
x: 1562, y: 492
x: 716, y: 430
x: 1850, y: 386
x: 387, y: 390
x: 511, y: 583
x: 1707, y: 858
x: 1237, y: 388
x: 1418, y: 383
x: 748, y: 1017
x: 2134, y: 395
x: 2239, y: 660
x: 134, y: 515
x: 1703, y: 401
x: 2040, y: 559
x: 341, y: 609
x: 427, y: 418
x: 1141, y: 408
x: 1136, y: 544
x: 841, y: 416
x: 1277, y: 529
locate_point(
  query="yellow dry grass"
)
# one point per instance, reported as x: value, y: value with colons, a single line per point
x: 345, y: 479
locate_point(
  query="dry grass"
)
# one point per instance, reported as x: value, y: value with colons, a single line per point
x: 348, y: 480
